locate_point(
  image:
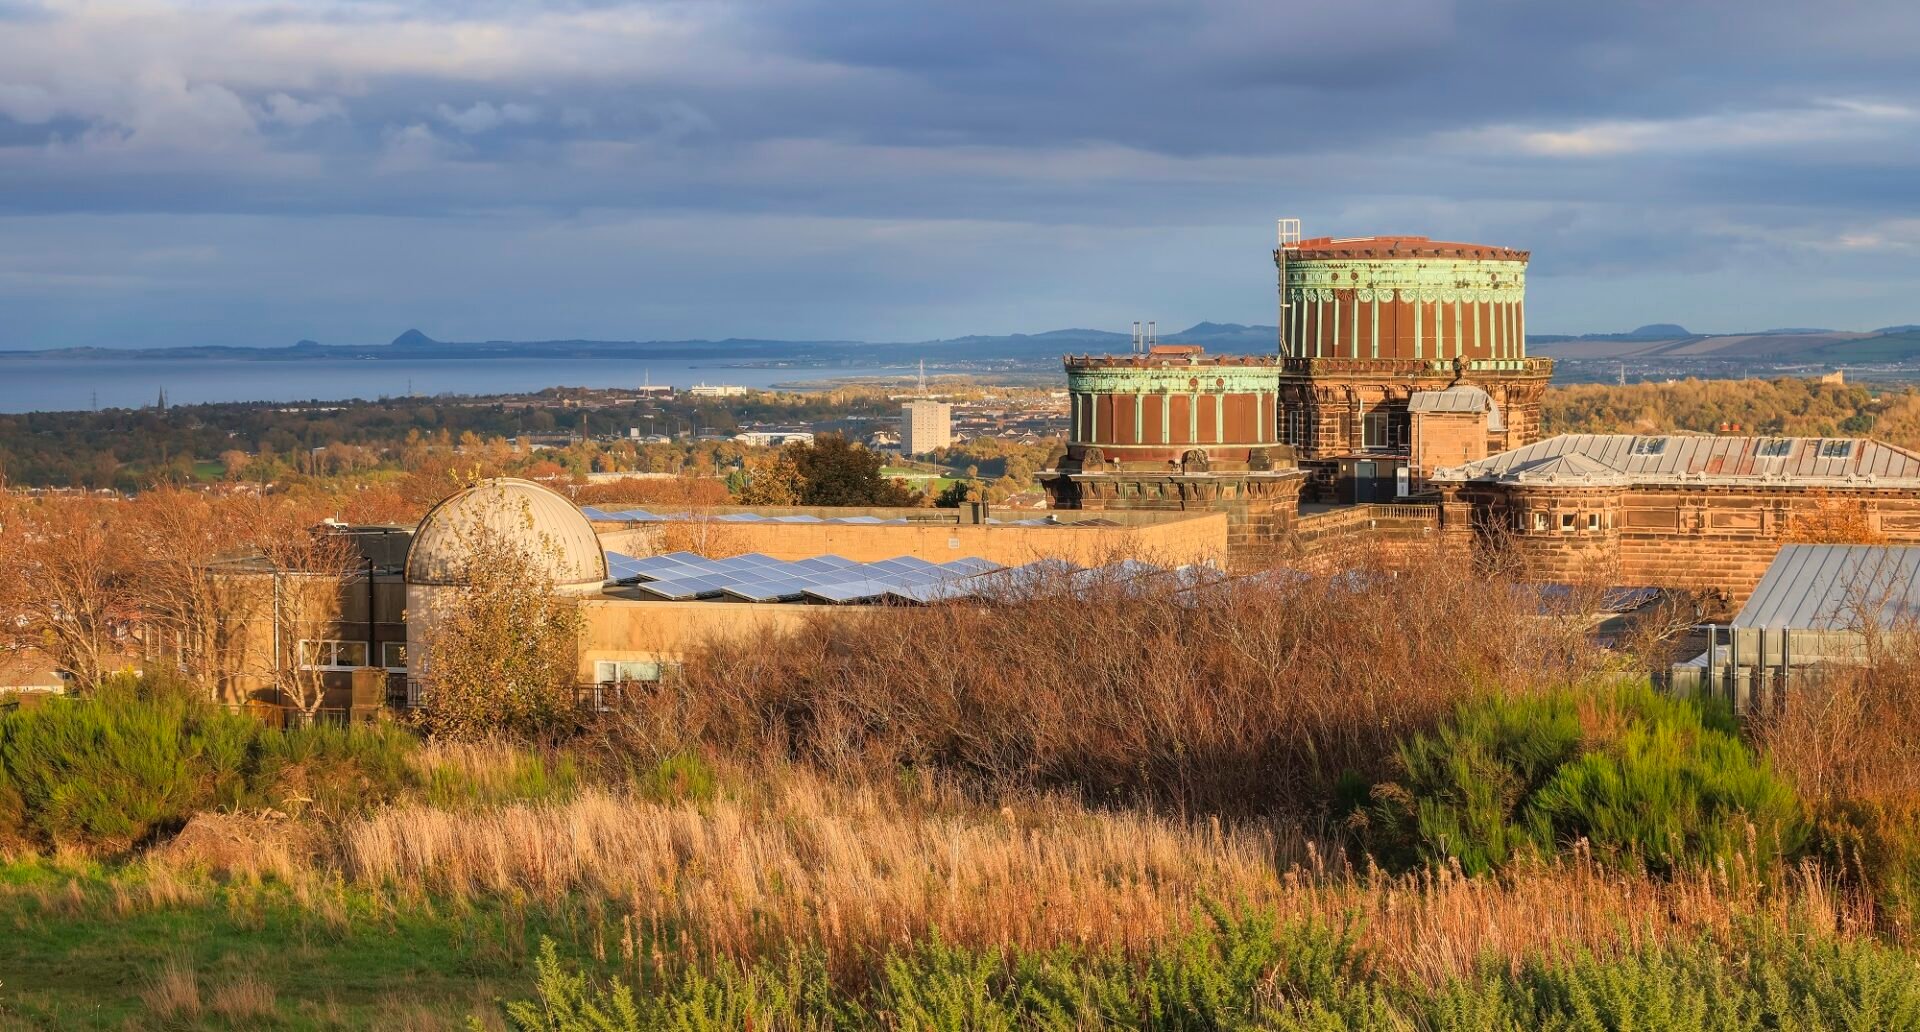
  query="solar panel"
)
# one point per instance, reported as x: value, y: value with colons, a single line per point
x: 822, y: 563
x: 770, y: 591
x: 849, y: 591
x: 681, y: 589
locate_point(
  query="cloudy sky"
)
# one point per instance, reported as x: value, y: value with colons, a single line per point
x: 255, y: 172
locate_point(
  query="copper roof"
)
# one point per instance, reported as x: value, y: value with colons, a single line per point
x: 1397, y: 247
x: 1602, y: 459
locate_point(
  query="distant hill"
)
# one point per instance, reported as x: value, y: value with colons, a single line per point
x: 1653, y: 341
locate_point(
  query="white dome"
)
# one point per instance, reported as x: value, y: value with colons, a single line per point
x: 554, y: 529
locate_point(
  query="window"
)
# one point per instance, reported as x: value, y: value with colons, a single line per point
x: 393, y: 655
x: 1566, y: 523
x: 328, y: 654
x: 1774, y: 448
x: 1539, y: 521
x: 1593, y: 521
x: 1296, y: 428
x: 1831, y: 449
x: 1383, y: 429
x: 607, y: 672
x: 1649, y: 445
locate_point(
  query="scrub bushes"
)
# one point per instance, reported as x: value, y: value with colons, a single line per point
x: 1250, y: 973
x: 133, y: 762
x: 1644, y: 779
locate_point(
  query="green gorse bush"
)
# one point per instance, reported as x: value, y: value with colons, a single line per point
x: 1245, y: 972
x: 1644, y: 779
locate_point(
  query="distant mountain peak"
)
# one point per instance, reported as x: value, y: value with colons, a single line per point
x: 412, y: 338
x: 1661, y: 329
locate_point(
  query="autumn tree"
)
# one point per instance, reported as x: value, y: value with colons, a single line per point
x: 1825, y: 518
x: 502, y: 645
x: 65, y: 588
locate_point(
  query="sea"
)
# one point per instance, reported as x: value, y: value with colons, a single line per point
x: 55, y: 383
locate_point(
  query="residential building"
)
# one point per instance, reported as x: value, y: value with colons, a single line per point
x: 925, y: 425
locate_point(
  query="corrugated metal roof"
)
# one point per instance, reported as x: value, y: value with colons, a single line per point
x: 1678, y: 458
x: 1835, y: 587
x: 1463, y: 398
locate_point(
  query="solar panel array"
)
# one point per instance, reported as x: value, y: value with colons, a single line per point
x: 754, y: 577
x: 649, y: 516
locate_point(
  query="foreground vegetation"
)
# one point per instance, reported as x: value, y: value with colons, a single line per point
x: 1280, y: 805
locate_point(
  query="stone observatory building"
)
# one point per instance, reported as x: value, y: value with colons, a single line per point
x: 502, y: 512
x: 1368, y: 325
x: 1170, y: 427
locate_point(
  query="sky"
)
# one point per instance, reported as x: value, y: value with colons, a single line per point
x: 255, y: 172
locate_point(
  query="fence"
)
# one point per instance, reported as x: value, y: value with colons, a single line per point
x: 1753, y: 669
x: 1388, y: 520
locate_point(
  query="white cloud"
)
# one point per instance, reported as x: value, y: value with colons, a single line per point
x: 411, y: 148
x: 1828, y: 122
x: 27, y: 103
x: 484, y: 117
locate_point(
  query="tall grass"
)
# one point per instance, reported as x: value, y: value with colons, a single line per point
x: 854, y: 872
x: 1261, y: 698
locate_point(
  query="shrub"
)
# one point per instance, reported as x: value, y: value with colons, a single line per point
x: 135, y: 761
x: 1643, y: 778
x: 1253, y: 703
x: 1249, y: 973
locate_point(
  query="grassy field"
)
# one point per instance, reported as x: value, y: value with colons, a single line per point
x: 89, y: 949
x: 991, y: 817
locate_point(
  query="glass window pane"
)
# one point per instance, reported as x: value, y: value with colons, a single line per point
x: 393, y: 655
x: 350, y: 653
x: 639, y: 671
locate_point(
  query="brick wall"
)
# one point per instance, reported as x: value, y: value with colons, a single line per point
x: 1712, y: 538
x: 1446, y: 439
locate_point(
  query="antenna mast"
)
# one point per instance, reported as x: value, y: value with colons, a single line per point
x: 1288, y: 239
x: 923, y: 377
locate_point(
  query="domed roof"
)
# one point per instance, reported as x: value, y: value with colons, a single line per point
x: 553, y: 528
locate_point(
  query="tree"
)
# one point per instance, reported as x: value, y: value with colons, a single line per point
x: 501, y: 648
x: 1828, y: 519
x: 773, y: 481
x: 836, y: 471
x: 64, y: 584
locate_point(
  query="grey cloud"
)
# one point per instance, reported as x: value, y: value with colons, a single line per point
x: 483, y: 116
x: 1619, y: 141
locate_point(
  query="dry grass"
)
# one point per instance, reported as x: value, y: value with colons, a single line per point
x: 245, y: 998
x: 174, y: 991
x: 1256, y: 701
x: 853, y: 872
